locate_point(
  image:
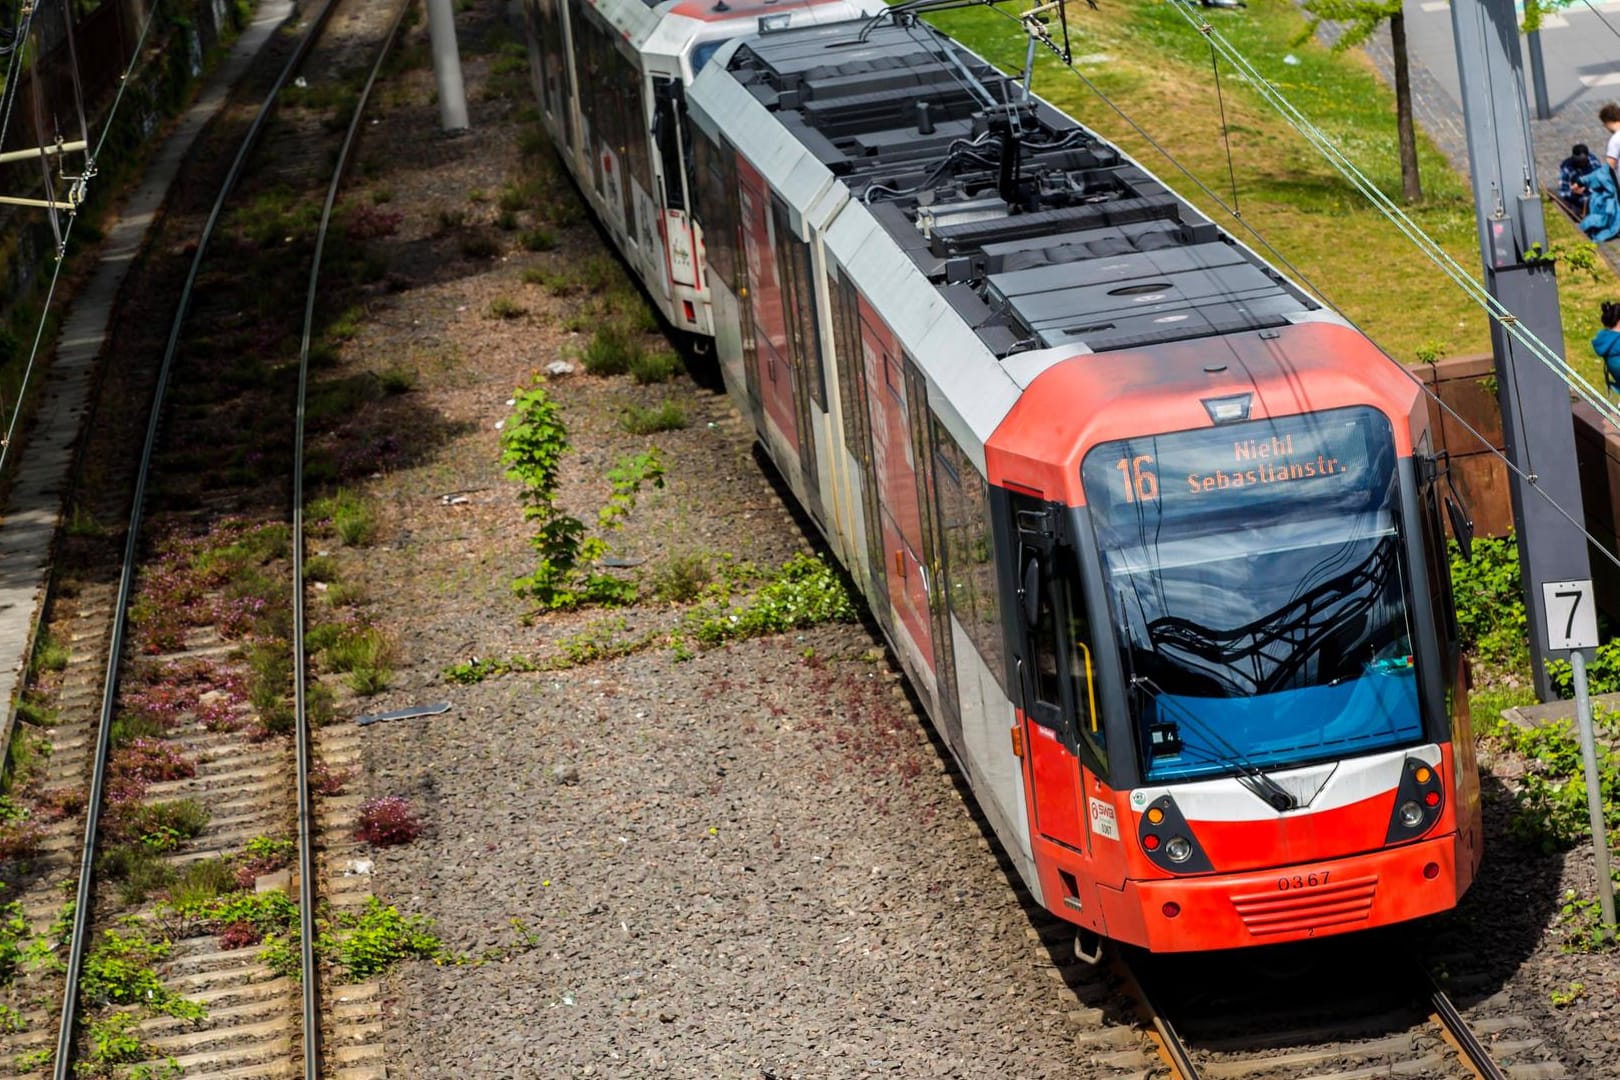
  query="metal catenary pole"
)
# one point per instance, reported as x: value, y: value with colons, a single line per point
x: 1536, y: 419
x: 447, y: 66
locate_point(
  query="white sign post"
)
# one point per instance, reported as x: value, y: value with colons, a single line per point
x: 1572, y: 625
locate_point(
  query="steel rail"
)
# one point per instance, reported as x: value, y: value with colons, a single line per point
x: 302, y: 734
x: 1459, y: 1033
x: 1171, y: 1048
x: 62, y: 1066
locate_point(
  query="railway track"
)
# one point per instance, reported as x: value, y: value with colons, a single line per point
x: 186, y: 782
x: 1334, y: 1016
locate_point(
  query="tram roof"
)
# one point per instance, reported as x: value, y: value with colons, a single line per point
x: 1093, y: 251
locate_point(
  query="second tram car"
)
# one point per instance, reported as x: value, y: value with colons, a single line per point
x: 1158, y: 540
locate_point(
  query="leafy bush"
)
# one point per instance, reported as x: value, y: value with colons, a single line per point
x: 346, y: 513
x: 1490, y: 606
x: 805, y: 592
x: 201, y: 881
x: 1602, y: 671
x: 141, y: 870
x: 556, y: 282
x: 163, y: 827
x: 13, y: 938
x: 682, y: 578
x: 263, y: 855
x: 49, y: 654
x: 387, y: 822
x: 538, y: 239
x: 119, y: 971
x: 532, y: 445
x: 239, y: 918
x: 1550, y: 808
x: 612, y: 351
x: 364, y: 654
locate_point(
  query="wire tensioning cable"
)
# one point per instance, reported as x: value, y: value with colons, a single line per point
x: 1601, y: 19
x: 1305, y: 279
x: 1494, y: 308
x: 45, y: 309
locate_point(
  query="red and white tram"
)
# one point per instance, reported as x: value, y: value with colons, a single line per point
x: 1158, y: 539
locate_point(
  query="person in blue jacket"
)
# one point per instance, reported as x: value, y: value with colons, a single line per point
x: 1607, y: 345
x: 1602, y: 220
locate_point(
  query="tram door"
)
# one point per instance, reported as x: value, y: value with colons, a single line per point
x: 1057, y: 703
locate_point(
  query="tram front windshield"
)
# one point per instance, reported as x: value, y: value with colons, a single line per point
x: 1257, y: 586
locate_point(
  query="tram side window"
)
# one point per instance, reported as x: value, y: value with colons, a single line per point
x: 1045, y: 648
x: 1437, y: 562
x: 799, y: 290
x: 637, y: 153
x: 591, y: 76
x: 847, y: 357
x: 669, y: 124
x: 970, y: 564
x: 715, y: 166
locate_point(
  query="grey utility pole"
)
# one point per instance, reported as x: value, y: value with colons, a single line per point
x: 447, y: 66
x: 1536, y: 421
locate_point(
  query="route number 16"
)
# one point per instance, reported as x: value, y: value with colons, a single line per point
x: 1141, y: 483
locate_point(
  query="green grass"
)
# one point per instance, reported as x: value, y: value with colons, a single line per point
x: 638, y: 420
x: 612, y: 351
x: 345, y: 514
x: 1159, y: 72
x: 660, y: 365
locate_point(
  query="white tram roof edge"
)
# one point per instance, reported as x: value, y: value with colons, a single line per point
x: 945, y: 349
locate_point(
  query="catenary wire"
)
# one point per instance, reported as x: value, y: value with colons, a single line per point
x: 45, y: 309
x: 1607, y: 24
x: 1325, y: 146
x: 1304, y: 278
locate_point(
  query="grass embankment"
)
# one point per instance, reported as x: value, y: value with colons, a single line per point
x: 1148, y: 60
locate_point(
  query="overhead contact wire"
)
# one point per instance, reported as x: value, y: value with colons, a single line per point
x: 1393, y: 213
x: 1323, y: 295
x: 39, y: 331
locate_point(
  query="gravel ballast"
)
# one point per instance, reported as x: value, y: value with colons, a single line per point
x: 754, y: 863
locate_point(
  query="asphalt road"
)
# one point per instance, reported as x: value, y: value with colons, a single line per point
x: 1580, y: 46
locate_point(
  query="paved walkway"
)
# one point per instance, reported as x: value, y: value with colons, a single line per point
x: 34, y: 511
x: 1439, y: 115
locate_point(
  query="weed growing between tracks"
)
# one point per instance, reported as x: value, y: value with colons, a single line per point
x: 366, y: 943
x: 532, y: 446
x: 804, y: 592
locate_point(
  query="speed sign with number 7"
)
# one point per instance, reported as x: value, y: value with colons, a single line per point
x: 1571, y: 615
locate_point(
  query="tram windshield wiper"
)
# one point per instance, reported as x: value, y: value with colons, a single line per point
x: 1251, y: 776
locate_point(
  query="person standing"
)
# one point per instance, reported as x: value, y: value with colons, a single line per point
x: 1610, y: 116
x: 1607, y: 345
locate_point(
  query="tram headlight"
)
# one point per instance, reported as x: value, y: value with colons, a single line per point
x: 1411, y: 814
x: 1178, y: 849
